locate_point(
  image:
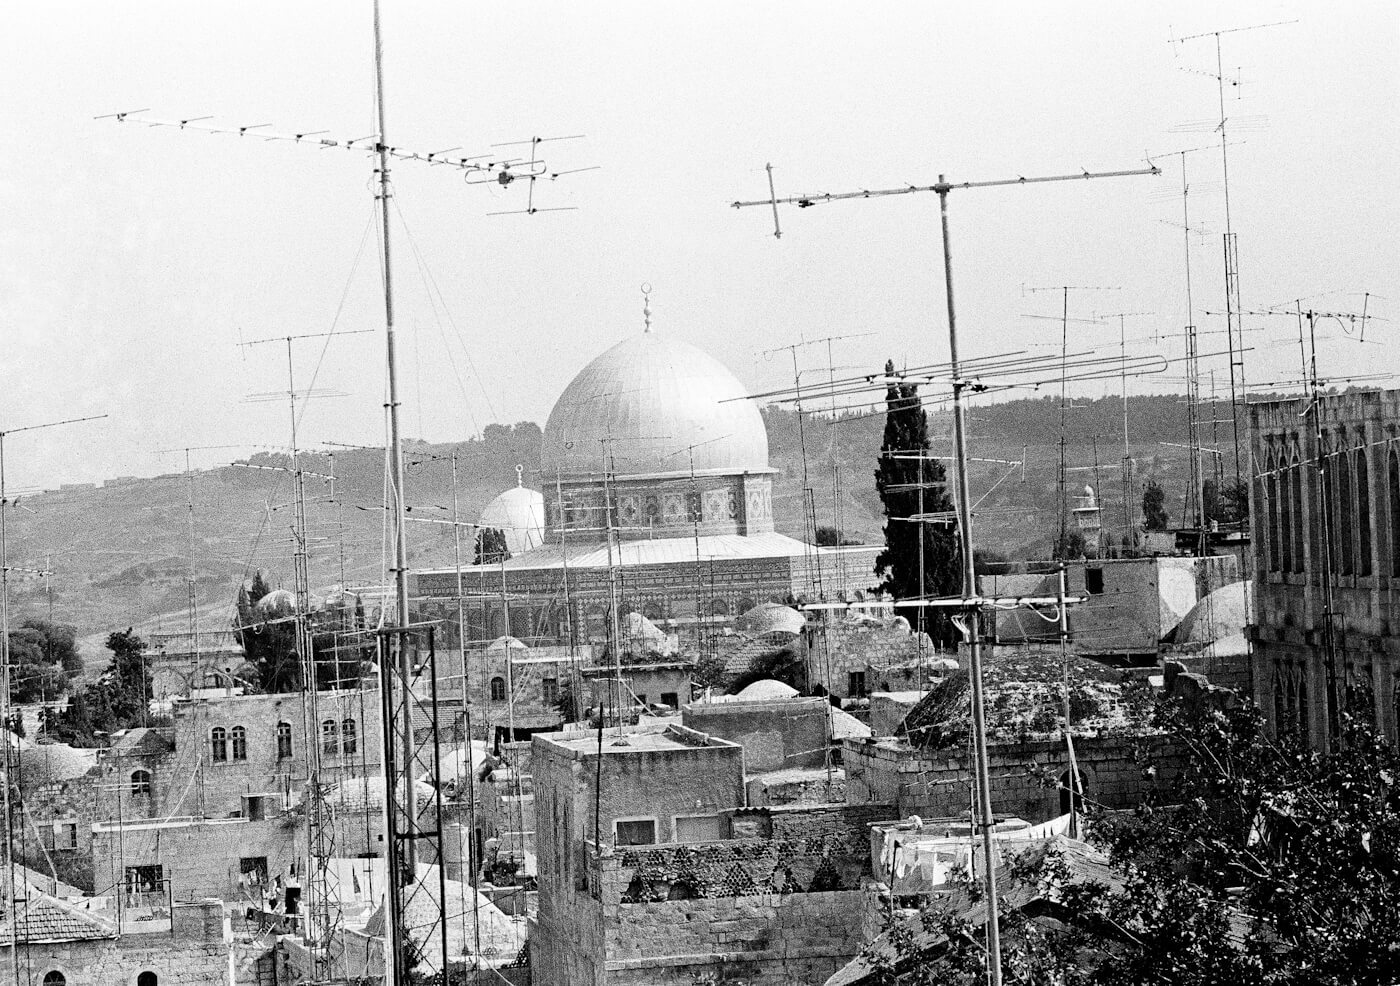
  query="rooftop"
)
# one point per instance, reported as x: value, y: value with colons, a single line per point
x: 672, y: 739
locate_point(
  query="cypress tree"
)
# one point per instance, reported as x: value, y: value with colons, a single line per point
x: 897, y: 480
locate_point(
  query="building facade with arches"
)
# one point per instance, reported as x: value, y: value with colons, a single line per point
x: 1327, y: 527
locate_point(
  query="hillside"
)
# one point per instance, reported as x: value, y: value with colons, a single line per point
x: 121, y: 552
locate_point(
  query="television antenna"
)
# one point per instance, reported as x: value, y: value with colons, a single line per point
x: 5, y: 713
x: 943, y: 187
x: 1231, y: 244
x: 1062, y: 486
x: 401, y: 823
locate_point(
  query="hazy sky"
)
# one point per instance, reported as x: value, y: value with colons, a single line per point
x: 134, y: 260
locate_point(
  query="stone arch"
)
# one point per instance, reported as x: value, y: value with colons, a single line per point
x: 1365, y: 546
x: 1271, y: 491
x: 1345, y: 530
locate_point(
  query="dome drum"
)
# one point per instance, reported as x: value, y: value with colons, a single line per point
x: 646, y: 508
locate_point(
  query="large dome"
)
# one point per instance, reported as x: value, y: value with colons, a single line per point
x: 655, y: 397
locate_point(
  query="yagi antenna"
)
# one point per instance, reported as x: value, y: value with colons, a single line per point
x: 476, y: 169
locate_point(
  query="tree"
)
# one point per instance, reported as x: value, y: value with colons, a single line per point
x: 43, y: 658
x: 1274, y: 864
x: 1072, y: 545
x: 491, y: 546
x: 118, y: 700
x: 903, y: 469
x: 268, y: 641
x: 1154, y: 510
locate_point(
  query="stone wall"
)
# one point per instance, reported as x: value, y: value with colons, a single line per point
x: 1359, y: 451
x: 193, y: 953
x: 766, y: 912
x: 774, y: 734
x: 1023, y: 775
x: 886, y: 654
x: 200, y: 859
x: 190, y: 782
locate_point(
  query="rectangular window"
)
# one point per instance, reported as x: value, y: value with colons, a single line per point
x: 252, y: 870
x: 698, y: 828
x: 145, y: 879
x: 1093, y: 581
x: 671, y: 699
x: 635, y: 832
x: 549, y: 690
x: 60, y: 835
x: 855, y: 684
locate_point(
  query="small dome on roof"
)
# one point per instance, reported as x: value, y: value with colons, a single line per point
x: 519, y: 514
x: 277, y: 603
x: 767, y: 688
x: 1220, y: 614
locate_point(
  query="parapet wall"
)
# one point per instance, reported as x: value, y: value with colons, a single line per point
x: 1023, y: 775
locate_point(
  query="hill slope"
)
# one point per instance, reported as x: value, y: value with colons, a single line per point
x: 121, y: 553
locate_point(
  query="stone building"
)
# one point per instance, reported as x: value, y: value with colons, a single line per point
x: 208, y: 806
x: 1029, y: 778
x: 1303, y: 552
x: 655, y: 441
x: 1131, y: 607
x: 64, y: 944
x: 683, y: 883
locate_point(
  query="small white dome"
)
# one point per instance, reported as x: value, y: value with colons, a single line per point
x: 519, y: 514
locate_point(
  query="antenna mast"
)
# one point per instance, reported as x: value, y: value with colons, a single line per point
x: 1233, y: 329
x: 5, y: 713
x: 964, y: 506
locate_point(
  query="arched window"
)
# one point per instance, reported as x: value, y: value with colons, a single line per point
x: 347, y: 736
x: 1295, y: 488
x: 1304, y: 713
x: 1345, y: 531
x: 140, y: 782
x: 1394, y: 489
x: 498, y: 689
x: 284, y: 741
x: 1271, y: 495
x: 1285, y: 514
x: 218, y: 744
x: 147, y: 979
x: 1280, y: 700
x: 240, y: 743
x: 55, y: 978
x: 719, y: 607
x: 1364, y: 547
x: 330, y: 737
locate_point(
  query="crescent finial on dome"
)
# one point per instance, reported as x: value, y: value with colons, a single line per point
x: 646, y: 307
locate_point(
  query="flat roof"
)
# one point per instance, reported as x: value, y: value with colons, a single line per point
x: 671, y: 739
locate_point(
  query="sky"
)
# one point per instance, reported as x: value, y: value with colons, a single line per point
x: 135, y: 262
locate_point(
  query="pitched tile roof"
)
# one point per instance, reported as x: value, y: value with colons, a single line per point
x: 41, y: 918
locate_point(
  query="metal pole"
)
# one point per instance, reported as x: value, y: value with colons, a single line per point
x: 1329, y: 643
x: 9, y: 878
x: 964, y: 508
x: 1075, y: 789
x: 466, y: 722
x: 404, y: 661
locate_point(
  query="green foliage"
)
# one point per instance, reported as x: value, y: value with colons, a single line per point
x: 43, y: 658
x: 270, y: 644
x: 898, y: 480
x: 491, y: 547
x: 118, y: 700
x: 1154, y: 509
x: 1072, y: 545
x: 1274, y: 865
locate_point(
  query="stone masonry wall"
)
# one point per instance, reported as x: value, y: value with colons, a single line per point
x: 1023, y: 775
